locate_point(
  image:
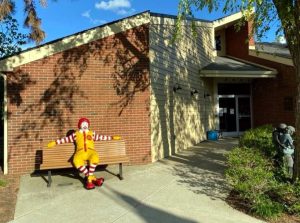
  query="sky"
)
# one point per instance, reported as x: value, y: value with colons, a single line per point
x: 61, y: 18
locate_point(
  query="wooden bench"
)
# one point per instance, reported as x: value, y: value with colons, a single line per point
x: 61, y: 156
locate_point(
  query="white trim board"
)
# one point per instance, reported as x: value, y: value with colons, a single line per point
x: 5, y: 151
x: 8, y: 64
x: 271, y: 57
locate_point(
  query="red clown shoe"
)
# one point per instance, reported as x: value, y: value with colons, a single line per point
x: 89, y: 185
x: 98, y: 182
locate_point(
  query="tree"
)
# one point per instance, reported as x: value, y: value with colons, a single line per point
x: 10, y: 38
x: 10, y: 42
x: 266, y: 12
x: 32, y: 21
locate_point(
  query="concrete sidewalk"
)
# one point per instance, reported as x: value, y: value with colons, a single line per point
x: 186, y: 188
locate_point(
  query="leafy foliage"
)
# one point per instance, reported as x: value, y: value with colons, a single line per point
x: 260, y: 138
x: 267, y: 14
x: 32, y: 21
x: 251, y: 172
x: 10, y: 38
x: 267, y: 208
x: 263, y: 18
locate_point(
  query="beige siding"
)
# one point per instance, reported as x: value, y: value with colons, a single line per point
x: 179, y: 120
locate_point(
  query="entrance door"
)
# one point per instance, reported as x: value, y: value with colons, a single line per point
x: 244, y: 113
x: 234, y: 114
x: 227, y: 114
x: 234, y: 108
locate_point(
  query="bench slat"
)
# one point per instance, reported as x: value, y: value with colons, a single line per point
x: 63, y: 162
x: 69, y: 165
x: 110, y: 152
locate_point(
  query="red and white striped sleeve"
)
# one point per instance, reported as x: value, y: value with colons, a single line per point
x: 97, y: 137
x: 67, y: 139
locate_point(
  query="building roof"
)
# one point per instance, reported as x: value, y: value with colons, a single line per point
x: 277, y: 49
x: 59, y: 45
x: 221, y: 64
x: 226, y: 21
x: 232, y: 67
x: 276, y: 52
x: 175, y: 17
x: 74, y: 40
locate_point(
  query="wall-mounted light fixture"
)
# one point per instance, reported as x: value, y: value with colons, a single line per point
x: 194, y: 91
x: 176, y: 87
x: 206, y: 95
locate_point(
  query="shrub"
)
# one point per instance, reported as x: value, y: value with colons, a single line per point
x: 295, y: 208
x: 249, y: 172
x: 260, y: 138
x: 266, y: 208
x: 252, y: 174
x: 290, y: 194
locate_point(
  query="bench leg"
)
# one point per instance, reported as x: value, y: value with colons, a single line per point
x: 120, y: 171
x: 49, y: 179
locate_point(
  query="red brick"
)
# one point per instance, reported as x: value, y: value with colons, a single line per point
x: 268, y: 94
x: 75, y: 83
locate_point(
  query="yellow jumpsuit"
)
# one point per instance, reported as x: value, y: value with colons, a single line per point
x: 85, y: 149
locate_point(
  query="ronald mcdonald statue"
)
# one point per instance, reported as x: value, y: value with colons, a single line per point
x: 84, y: 139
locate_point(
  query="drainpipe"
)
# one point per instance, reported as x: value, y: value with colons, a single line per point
x: 5, y: 152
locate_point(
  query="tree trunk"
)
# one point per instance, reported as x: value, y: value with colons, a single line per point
x: 289, y: 14
x: 295, y: 51
x: 297, y: 124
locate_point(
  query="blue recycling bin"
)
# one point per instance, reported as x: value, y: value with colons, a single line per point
x: 212, y: 135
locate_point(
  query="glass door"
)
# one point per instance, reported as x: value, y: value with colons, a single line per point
x: 227, y: 114
x: 234, y: 114
x: 244, y: 113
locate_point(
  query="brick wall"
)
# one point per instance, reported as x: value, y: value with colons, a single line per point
x: 269, y: 95
x: 106, y: 81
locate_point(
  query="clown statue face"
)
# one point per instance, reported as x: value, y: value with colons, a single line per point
x: 84, y: 126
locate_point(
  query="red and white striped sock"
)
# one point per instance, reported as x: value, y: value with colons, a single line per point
x: 83, y: 170
x: 92, y: 169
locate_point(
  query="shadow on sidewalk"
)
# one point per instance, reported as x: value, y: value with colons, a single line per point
x: 202, y: 167
x: 146, y: 212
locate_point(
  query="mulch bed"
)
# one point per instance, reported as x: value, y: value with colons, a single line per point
x: 8, y: 197
x: 237, y: 203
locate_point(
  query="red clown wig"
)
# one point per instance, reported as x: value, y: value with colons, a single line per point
x: 81, y: 120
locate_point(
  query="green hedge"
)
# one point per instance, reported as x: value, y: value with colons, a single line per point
x: 251, y: 173
x: 260, y: 138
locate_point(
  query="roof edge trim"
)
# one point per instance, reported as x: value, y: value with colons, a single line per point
x: 271, y: 57
x: 175, y: 17
x: 232, y: 18
x: 254, y: 64
x: 75, y: 40
x: 238, y: 74
x: 228, y: 19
